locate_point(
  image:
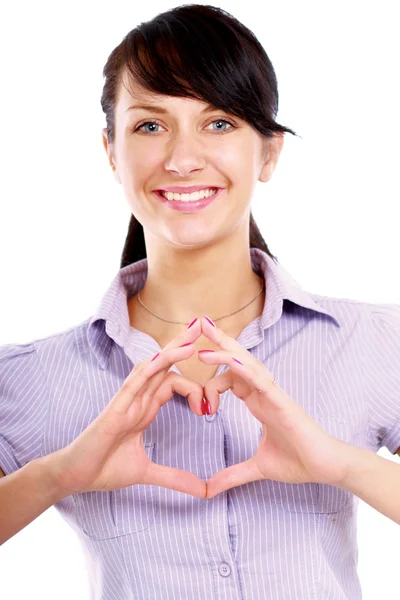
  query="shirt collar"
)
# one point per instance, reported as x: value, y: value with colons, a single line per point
x: 110, y: 323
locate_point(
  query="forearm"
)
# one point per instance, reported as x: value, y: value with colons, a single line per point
x: 375, y: 480
x: 26, y: 494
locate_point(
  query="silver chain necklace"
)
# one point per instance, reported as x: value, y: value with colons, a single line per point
x: 219, y: 318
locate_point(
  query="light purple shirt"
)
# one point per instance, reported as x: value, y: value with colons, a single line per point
x: 338, y: 358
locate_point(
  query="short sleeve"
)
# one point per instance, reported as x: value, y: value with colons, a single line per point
x: 23, y: 406
x: 382, y: 374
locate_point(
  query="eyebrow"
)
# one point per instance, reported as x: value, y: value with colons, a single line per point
x: 161, y: 110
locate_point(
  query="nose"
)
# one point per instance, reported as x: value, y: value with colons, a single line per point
x: 185, y: 154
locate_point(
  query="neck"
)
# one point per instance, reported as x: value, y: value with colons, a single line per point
x: 214, y: 281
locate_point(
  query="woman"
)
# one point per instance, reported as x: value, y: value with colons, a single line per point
x: 298, y: 391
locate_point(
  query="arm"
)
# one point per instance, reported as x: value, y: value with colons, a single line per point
x: 375, y: 480
x: 26, y: 494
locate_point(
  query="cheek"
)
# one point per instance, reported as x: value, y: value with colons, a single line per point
x: 235, y: 160
x: 228, y: 155
x: 138, y: 172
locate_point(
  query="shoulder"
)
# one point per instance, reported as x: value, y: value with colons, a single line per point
x: 375, y: 329
x: 24, y: 352
x: 349, y: 310
x: 13, y: 356
x: 386, y: 313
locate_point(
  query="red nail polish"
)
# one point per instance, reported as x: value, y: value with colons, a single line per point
x: 238, y: 361
x: 210, y: 321
x: 208, y: 408
x: 204, y: 406
x: 191, y: 323
x: 188, y: 344
x: 154, y: 357
x: 202, y: 351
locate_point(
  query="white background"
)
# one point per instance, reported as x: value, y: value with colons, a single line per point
x: 329, y: 213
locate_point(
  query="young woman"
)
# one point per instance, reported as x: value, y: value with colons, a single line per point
x: 208, y: 431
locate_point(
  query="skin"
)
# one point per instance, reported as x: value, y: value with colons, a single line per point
x: 202, y: 258
x: 101, y: 457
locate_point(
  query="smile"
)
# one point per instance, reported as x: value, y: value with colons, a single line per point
x: 200, y: 200
x: 189, y: 197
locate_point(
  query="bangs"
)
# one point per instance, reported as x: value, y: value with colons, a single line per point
x: 193, y: 56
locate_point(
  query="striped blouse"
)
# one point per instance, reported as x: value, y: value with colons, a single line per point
x: 338, y: 358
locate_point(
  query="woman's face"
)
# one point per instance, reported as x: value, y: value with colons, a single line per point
x: 187, y: 143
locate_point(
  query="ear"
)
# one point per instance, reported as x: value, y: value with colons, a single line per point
x: 110, y: 153
x: 270, y: 155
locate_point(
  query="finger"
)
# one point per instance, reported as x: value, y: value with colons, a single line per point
x: 232, y: 477
x: 188, y: 336
x: 175, y: 479
x: 221, y: 339
x: 237, y: 379
x: 176, y: 383
x: 142, y: 374
x: 223, y: 357
x: 244, y: 378
x: 220, y: 384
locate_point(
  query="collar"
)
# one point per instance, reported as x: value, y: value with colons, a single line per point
x: 110, y: 323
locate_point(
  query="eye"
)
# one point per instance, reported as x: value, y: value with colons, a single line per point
x: 223, y: 121
x: 156, y: 124
x: 147, y: 123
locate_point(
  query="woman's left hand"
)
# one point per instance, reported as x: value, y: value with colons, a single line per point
x: 293, y: 447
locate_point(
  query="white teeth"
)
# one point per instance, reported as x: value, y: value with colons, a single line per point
x: 189, y: 197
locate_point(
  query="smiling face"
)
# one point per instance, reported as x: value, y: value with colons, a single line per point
x: 185, y: 142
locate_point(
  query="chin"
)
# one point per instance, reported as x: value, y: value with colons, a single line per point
x: 189, y: 234
x: 192, y: 241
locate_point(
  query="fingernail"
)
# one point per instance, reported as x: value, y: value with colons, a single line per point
x: 208, y: 408
x: 154, y: 357
x: 188, y: 344
x: 210, y: 321
x: 202, y: 351
x: 238, y: 361
x: 191, y: 323
x: 204, y: 406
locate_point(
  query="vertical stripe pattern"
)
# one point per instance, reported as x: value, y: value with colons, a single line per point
x: 338, y: 358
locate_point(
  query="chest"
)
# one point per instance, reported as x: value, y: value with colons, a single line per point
x: 192, y: 368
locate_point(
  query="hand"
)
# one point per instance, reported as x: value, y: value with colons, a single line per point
x: 293, y: 448
x: 109, y: 453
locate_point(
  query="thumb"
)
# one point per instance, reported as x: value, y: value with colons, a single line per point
x: 233, y: 476
x: 175, y: 479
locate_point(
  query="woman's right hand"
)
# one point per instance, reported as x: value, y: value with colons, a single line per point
x: 109, y: 454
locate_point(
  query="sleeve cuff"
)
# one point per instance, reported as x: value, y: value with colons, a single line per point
x: 392, y: 440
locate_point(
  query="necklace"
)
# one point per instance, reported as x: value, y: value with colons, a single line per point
x: 219, y: 318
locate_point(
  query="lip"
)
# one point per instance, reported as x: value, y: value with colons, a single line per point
x: 189, y: 207
x: 186, y: 190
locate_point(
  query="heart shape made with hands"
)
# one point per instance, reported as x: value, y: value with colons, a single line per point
x: 287, y: 448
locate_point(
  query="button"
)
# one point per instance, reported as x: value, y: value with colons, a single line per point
x: 224, y: 569
x: 211, y: 418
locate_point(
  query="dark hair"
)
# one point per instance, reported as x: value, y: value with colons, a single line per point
x: 195, y: 51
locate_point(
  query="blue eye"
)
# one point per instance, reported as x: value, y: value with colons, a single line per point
x: 221, y: 121
x: 148, y: 123
x: 140, y: 127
